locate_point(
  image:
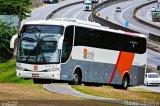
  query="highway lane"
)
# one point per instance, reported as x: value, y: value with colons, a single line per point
x: 125, y: 15
x: 42, y: 12
x: 74, y: 12
x: 153, y: 58
x: 145, y: 14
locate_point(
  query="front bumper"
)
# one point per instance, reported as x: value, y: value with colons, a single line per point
x: 38, y: 75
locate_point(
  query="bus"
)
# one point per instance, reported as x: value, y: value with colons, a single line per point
x: 77, y: 52
x: 87, y: 5
x: 156, y: 15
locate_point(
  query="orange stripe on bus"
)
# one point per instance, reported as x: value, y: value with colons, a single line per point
x: 124, y: 64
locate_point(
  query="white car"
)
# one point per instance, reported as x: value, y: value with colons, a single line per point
x: 152, y: 79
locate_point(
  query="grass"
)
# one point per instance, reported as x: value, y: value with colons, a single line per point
x: 109, y: 92
x: 8, y: 73
x: 139, y: 90
x: 31, y: 94
x: 27, y: 93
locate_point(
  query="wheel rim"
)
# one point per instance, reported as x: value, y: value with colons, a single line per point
x: 125, y: 83
x: 75, y: 77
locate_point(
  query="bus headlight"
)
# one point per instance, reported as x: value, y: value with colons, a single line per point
x: 53, y: 69
x: 20, y: 68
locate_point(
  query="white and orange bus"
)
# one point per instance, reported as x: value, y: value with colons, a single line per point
x: 80, y: 52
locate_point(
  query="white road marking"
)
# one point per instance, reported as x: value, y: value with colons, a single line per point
x: 148, y: 12
x: 77, y: 14
x: 153, y: 59
x: 88, y: 17
x: 70, y: 11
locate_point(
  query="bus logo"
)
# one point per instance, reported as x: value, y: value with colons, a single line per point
x: 88, y: 55
x: 35, y: 67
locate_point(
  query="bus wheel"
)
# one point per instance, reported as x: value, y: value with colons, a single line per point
x: 77, y: 78
x: 41, y: 81
x: 125, y: 82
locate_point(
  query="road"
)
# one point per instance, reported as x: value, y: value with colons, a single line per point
x: 68, y: 90
x: 128, y: 7
x: 74, y: 12
x: 42, y: 12
x: 145, y: 14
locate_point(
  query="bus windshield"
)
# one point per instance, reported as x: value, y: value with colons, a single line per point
x: 87, y: 3
x: 39, y: 44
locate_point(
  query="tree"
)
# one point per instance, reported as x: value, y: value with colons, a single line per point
x: 11, y: 7
x: 16, y: 7
x: 5, y: 36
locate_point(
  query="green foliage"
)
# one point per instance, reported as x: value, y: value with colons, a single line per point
x: 15, y: 7
x: 5, y: 37
x: 8, y: 73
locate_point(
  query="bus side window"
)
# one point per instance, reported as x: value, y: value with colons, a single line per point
x: 67, y: 43
x: 65, y: 51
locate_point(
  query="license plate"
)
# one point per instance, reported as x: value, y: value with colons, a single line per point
x: 35, y: 75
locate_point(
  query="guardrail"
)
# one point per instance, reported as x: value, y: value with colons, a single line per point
x: 105, y: 22
x: 58, y: 9
x: 153, y: 38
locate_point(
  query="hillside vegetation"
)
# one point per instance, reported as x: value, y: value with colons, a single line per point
x: 8, y: 73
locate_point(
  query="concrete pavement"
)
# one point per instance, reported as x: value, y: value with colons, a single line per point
x: 41, y: 13
x: 68, y: 90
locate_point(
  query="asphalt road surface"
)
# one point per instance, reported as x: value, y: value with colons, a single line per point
x: 74, y: 12
x: 145, y: 14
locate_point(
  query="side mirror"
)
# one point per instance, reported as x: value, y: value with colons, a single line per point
x: 13, y: 39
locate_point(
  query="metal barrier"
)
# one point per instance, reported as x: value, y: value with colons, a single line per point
x: 153, y: 38
x: 105, y: 22
x: 142, y: 21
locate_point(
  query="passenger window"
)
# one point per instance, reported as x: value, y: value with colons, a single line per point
x: 67, y: 43
x: 65, y: 51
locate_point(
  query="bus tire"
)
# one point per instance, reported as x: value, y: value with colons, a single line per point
x: 77, y: 76
x: 41, y: 81
x: 125, y: 82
